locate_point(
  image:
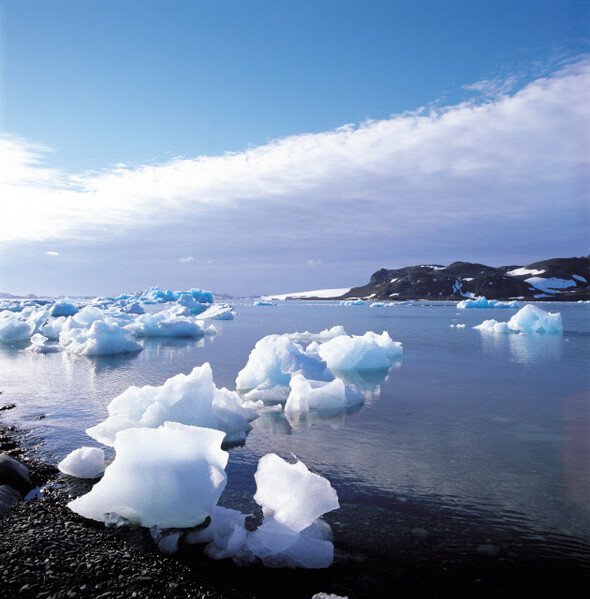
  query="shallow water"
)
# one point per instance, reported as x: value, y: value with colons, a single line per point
x: 474, y: 444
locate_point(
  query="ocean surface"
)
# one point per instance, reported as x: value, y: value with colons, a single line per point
x: 475, y: 447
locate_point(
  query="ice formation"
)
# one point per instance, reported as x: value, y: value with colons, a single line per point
x: 529, y: 319
x: 39, y: 345
x: 274, y: 359
x: 188, y: 301
x: 132, y: 308
x: 377, y: 305
x: 325, y: 335
x: 85, y: 462
x: 103, y: 337
x: 63, y: 308
x: 218, y: 312
x: 319, y: 395
x: 168, y: 323
x: 264, y: 303
x: 15, y: 328
x: 367, y: 352
x: 482, y: 302
x: 170, y: 477
x: 189, y: 399
x: 357, y: 302
x: 292, y: 500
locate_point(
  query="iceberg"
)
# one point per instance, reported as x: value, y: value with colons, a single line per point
x: 264, y: 303
x: 319, y: 395
x: 85, y: 462
x: 186, y: 300
x: 132, y: 308
x: 191, y: 399
x: 39, y: 345
x: 529, y: 319
x: 357, y: 302
x: 63, y: 308
x: 218, y: 312
x: 14, y: 328
x: 274, y: 359
x: 103, y: 337
x: 325, y: 335
x: 170, y: 477
x: 168, y: 323
x: 483, y: 303
x: 368, y: 352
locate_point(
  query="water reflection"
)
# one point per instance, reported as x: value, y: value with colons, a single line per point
x: 523, y: 348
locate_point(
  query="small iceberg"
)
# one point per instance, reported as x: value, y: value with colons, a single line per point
x: 357, y: 302
x: 168, y: 323
x: 218, y: 312
x: 483, y: 303
x: 529, y: 319
x: 63, y: 308
x: 103, y: 337
x: 264, y: 303
x: 191, y: 399
x: 333, y: 396
x: 39, y: 345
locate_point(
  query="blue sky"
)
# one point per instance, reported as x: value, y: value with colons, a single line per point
x: 88, y: 85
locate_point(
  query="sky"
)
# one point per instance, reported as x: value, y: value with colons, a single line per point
x: 278, y: 146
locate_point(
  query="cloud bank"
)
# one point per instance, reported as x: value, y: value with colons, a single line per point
x: 494, y: 176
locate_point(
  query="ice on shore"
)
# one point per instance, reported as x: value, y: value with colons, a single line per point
x: 529, y: 319
x: 103, y: 337
x: 168, y: 323
x: 191, y: 399
x: 293, y: 499
x: 63, y: 308
x: 170, y: 477
x: 367, y: 352
x: 482, y: 303
x: 85, y: 462
x: 274, y: 359
x: 308, y: 395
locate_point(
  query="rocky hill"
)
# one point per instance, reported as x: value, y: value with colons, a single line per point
x: 564, y: 279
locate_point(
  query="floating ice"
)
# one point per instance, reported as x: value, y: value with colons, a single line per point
x: 325, y: 335
x: 63, y: 308
x: 85, y: 462
x: 367, y: 352
x: 274, y: 359
x: 528, y: 320
x: 39, y: 345
x: 218, y: 312
x: 189, y: 399
x: 318, y: 395
x: 170, y: 477
x: 188, y: 301
x: 377, y: 305
x: 264, y: 303
x: 132, y: 308
x: 482, y: 302
x: 357, y: 302
x: 15, y: 328
x: 168, y: 324
x: 102, y: 338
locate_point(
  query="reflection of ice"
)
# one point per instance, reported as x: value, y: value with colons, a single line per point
x: 528, y: 349
x: 523, y: 348
x: 368, y: 382
x: 334, y: 418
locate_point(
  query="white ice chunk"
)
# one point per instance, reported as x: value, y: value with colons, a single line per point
x: 483, y: 303
x: 39, y: 345
x: 170, y: 477
x: 102, y: 338
x: 14, y: 328
x: 168, y: 324
x: 188, y: 301
x: 318, y: 395
x: 189, y: 399
x: 85, y: 462
x: 63, y: 308
x: 369, y: 352
x: 528, y: 320
x: 218, y: 312
x: 325, y: 335
x: 274, y: 359
x: 493, y: 326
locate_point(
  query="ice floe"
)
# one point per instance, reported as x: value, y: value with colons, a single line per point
x: 103, y: 337
x: 170, y: 476
x: 63, y: 308
x: 357, y: 302
x: 39, y: 345
x: 529, y: 319
x: 85, y: 462
x: 330, y: 396
x: 191, y: 399
x: 325, y: 335
x: 482, y: 303
x: 168, y: 323
x: 218, y: 312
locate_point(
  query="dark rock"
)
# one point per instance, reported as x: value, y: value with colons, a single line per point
x: 14, y: 474
x: 8, y: 497
x: 7, y: 407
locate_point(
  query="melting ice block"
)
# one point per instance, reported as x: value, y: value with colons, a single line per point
x: 318, y: 395
x: 482, y: 303
x: 170, y: 477
x: 168, y: 324
x: 85, y: 462
x: 529, y: 319
x: 367, y: 352
x: 274, y: 359
x: 103, y: 337
x: 189, y: 399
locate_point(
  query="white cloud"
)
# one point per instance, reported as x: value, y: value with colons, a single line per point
x: 187, y: 259
x: 516, y: 160
x: 51, y: 253
x: 314, y: 262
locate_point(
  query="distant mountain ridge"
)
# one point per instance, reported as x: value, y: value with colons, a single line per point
x: 563, y: 279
